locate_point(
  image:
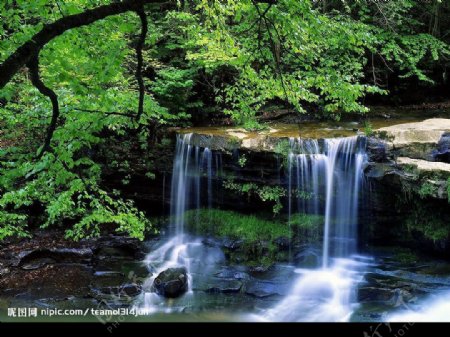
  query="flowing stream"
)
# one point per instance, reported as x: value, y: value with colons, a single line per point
x: 323, y: 178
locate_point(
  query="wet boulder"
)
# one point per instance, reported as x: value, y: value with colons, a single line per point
x: 113, y: 246
x: 259, y: 269
x: 443, y: 151
x: 224, y: 286
x: 376, y: 150
x: 4, y: 271
x: 232, y: 244
x: 283, y: 243
x: 37, y: 258
x: 263, y: 289
x: 172, y: 282
x: 308, y: 256
x: 236, y: 273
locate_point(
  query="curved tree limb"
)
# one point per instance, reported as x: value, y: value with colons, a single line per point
x: 33, y: 65
x: 31, y: 48
x: 26, y: 51
x: 140, y: 61
x: 274, y: 49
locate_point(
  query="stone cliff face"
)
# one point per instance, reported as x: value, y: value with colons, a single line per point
x: 427, y: 140
x: 409, y: 170
x: 414, y: 155
x: 405, y: 200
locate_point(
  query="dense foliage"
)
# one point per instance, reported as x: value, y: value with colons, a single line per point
x: 201, y: 59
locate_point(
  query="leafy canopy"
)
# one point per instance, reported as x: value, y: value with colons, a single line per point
x: 201, y: 58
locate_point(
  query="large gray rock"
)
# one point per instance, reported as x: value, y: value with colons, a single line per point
x: 376, y: 150
x: 425, y: 166
x: 172, y: 282
x: 416, y: 140
x: 262, y: 289
x: 224, y: 286
x: 37, y: 258
x: 443, y: 150
x: 428, y: 131
x: 118, y: 247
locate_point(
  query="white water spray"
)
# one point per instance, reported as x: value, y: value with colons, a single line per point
x: 326, y: 293
x: 192, y: 165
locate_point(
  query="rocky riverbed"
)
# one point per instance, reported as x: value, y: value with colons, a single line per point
x: 110, y: 272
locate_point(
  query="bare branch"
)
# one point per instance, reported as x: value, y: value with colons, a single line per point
x: 33, y: 65
x: 139, y: 47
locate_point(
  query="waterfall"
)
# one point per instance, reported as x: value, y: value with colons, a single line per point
x: 333, y: 173
x: 344, y: 174
x: 193, y: 172
x: 306, y: 164
x: 325, y: 179
x: 191, y: 165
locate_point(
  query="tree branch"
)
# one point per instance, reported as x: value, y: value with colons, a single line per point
x: 31, y: 48
x: 140, y: 61
x: 275, y: 55
x: 33, y: 65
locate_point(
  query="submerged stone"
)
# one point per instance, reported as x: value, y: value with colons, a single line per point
x: 37, y: 263
x: 262, y: 289
x: 232, y: 274
x: 172, y: 282
x: 232, y: 244
x: 4, y: 271
x: 225, y: 286
x: 36, y: 258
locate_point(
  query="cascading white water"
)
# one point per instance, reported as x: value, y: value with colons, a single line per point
x: 192, y: 164
x: 308, y: 162
x: 323, y: 179
x: 435, y: 308
x: 333, y: 173
x: 343, y: 180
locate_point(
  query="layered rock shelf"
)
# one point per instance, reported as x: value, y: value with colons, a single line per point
x: 407, y: 171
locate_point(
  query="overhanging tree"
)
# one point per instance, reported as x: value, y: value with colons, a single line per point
x: 97, y: 72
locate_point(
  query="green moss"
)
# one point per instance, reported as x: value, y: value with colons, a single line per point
x: 383, y: 135
x: 234, y: 225
x: 305, y: 195
x: 256, y: 234
x: 411, y: 169
x: 427, y: 189
x: 282, y: 147
x: 308, y: 227
x: 234, y: 141
x: 254, y: 125
x: 242, y: 160
x: 405, y: 255
x: 432, y: 223
x: 448, y: 189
